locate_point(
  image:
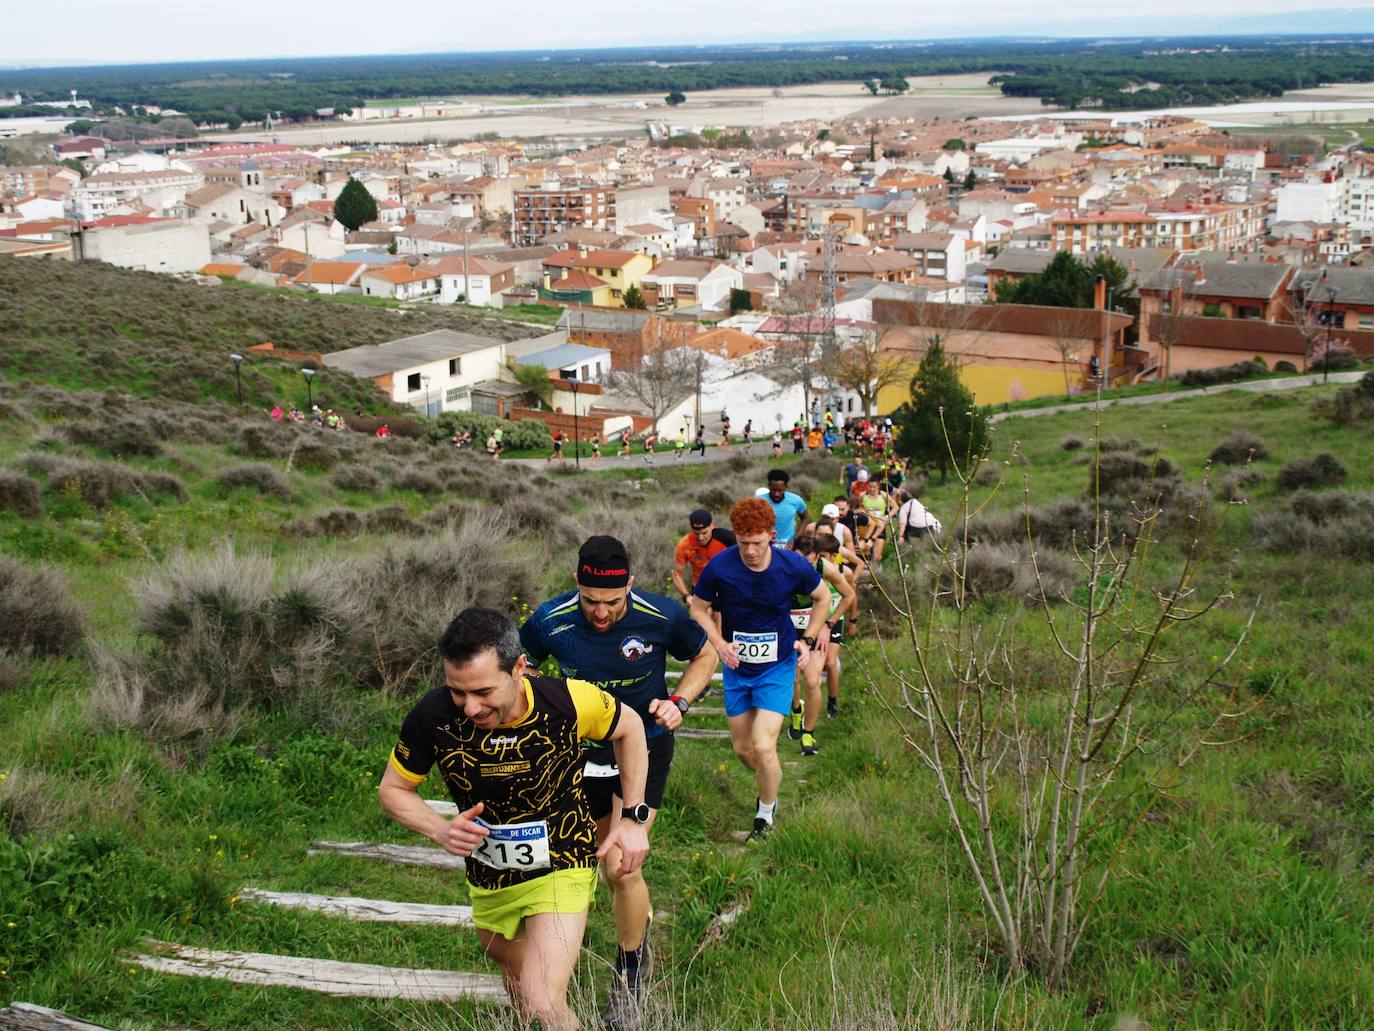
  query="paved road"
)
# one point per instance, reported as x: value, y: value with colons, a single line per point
x: 1258, y: 386
x: 663, y: 456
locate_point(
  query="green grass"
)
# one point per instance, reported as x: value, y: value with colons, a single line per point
x: 1243, y: 902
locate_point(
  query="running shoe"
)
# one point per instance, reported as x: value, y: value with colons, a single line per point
x: 794, y: 724
x: 831, y: 709
x: 808, y: 745
x: 762, y: 828
x: 628, y: 987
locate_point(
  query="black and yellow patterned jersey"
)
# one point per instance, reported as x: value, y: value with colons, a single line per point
x: 530, y: 770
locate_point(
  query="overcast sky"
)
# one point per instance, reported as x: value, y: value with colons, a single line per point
x: 129, y: 31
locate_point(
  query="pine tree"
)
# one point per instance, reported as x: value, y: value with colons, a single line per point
x: 355, y: 205
x: 940, y: 425
x: 633, y: 297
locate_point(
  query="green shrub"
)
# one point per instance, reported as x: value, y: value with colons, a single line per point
x: 122, y: 437
x: 1348, y: 405
x: 1235, y: 373
x: 1071, y: 443
x: 1322, y: 470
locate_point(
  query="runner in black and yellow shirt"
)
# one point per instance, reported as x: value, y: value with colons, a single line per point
x: 509, y: 747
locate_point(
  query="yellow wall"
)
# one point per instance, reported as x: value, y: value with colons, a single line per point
x: 624, y: 277
x: 991, y: 384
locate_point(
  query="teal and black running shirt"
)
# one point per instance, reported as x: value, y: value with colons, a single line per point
x: 629, y: 659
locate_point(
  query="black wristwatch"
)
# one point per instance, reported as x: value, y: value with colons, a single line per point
x: 682, y: 703
x: 638, y: 813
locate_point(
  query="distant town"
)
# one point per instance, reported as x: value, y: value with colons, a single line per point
x: 732, y: 241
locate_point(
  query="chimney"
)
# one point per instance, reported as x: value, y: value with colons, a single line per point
x: 1100, y: 293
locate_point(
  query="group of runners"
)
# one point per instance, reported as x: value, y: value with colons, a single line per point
x: 556, y: 776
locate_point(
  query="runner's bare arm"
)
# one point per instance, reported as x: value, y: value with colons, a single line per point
x: 701, y: 612
x: 834, y: 575
x: 401, y: 801
x: 816, y: 628
x: 632, y: 756
x: 680, y: 579
x: 694, y: 680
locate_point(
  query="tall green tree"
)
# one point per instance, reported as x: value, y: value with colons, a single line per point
x: 970, y: 180
x: 1068, y: 282
x: 940, y: 425
x: 675, y: 98
x: 355, y: 205
x: 633, y: 297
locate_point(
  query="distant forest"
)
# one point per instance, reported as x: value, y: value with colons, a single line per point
x: 1063, y: 73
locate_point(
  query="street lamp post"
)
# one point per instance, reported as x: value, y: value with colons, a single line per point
x: 237, y: 359
x: 570, y: 377
x: 1331, y: 292
x: 425, y: 381
x: 309, y: 375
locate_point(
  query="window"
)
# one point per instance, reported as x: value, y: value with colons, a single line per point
x: 486, y: 404
x: 584, y: 373
x: 413, y: 382
x: 455, y: 366
x: 1366, y: 321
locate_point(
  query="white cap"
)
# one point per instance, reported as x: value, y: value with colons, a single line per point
x: 863, y: 475
x: 833, y: 511
x: 760, y: 492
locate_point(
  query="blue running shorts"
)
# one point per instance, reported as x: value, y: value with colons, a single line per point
x: 759, y: 687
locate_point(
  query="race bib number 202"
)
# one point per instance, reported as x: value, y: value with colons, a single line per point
x: 757, y: 648
x: 514, y: 846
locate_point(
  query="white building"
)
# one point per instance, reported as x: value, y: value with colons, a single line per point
x: 161, y: 245
x: 98, y: 195
x: 433, y: 371
x: 1309, y: 202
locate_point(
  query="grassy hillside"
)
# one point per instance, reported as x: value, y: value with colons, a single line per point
x: 209, y: 644
x: 89, y: 325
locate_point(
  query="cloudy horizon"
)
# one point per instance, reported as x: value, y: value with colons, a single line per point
x: 139, y: 31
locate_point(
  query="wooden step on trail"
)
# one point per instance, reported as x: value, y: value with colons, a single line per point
x: 676, y: 674
x: 25, y: 1016
x: 406, y: 855
x: 371, y: 910
x: 701, y: 733
x: 328, y: 977
x: 706, y: 710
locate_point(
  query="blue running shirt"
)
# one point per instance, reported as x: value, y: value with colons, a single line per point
x: 757, y: 603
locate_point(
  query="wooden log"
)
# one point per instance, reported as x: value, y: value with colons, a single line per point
x: 407, y: 855
x: 373, y: 910
x: 328, y: 977
x: 25, y: 1016
x: 676, y: 674
x: 701, y: 733
x: 706, y: 710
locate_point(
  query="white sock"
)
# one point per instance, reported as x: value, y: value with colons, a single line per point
x: 766, y: 810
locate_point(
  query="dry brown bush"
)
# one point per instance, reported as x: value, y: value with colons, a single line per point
x: 256, y: 476
x: 20, y: 494
x: 356, y: 477
x: 1009, y: 570
x: 99, y: 483
x: 1321, y: 470
x: 1238, y: 449
x: 37, y: 611
x: 230, y: 633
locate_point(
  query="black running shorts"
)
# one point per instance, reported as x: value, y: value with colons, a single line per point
x: 600, y: 789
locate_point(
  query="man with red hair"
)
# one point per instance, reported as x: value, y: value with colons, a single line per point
x: 752, y: 586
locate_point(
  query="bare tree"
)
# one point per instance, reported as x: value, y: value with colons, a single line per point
x: 866, y: 367
x: 1067, y: 334
x: 1046, y: 779
x: 665, y: 375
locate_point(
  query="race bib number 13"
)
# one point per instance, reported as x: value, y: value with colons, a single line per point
x: 757, y: 648
x: 514, y: 846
